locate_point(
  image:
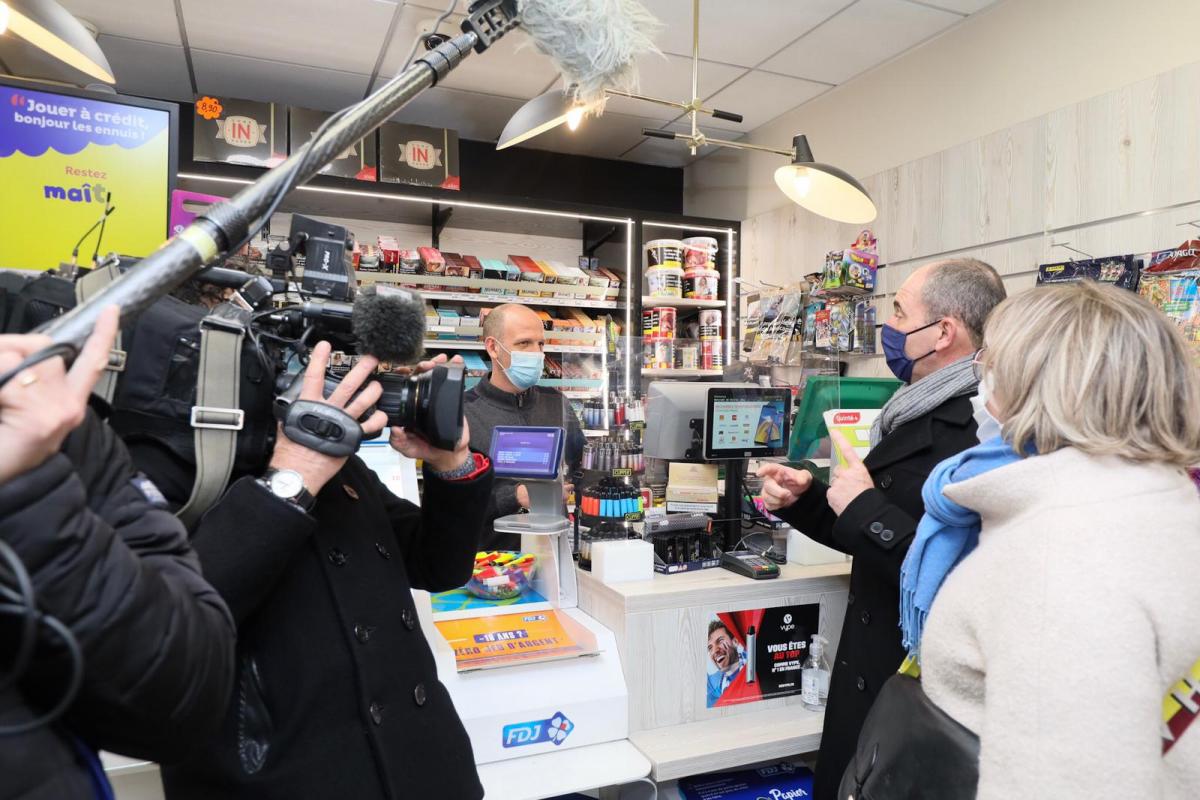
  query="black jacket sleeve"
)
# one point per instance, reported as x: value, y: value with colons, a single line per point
x: 157, y: 640
x: 439, y: 539
x: 246, y: 541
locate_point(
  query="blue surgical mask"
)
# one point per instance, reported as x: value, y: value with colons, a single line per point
x: 893, y: 349
x: 988, y: 426
x: 524, y: 369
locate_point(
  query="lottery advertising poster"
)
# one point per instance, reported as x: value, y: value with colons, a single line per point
x: 756, y: 655
x: 61, y: 156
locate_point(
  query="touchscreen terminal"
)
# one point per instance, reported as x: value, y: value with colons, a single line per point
x: 532, y: 453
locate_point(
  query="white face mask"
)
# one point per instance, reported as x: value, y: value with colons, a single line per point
x: 988, y: 426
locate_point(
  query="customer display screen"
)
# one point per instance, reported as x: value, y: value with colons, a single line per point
x: 746, y: 422
x: 518, y: 452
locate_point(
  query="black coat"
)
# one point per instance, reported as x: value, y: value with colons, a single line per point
x: 337, y: 693
x: 157, y: 641
x: 876, y: 529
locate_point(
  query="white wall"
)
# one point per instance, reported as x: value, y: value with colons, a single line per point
x: 1013, y: 62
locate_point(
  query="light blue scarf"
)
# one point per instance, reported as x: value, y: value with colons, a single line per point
x: 945, y: 535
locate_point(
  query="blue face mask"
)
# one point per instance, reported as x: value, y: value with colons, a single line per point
x: 524, y: 369
x: 893, y: 349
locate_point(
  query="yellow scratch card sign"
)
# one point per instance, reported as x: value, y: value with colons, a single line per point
x: 60, y: 157
x: 855, y: 425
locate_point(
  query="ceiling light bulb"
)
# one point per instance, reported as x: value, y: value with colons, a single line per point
x: 802, y: 183
x: 3, y: 17
x: 575, y: 116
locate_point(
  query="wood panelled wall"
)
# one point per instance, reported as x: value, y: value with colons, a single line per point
x: 1118, y: 173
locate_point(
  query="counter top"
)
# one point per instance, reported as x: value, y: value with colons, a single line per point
x: 699, y: 587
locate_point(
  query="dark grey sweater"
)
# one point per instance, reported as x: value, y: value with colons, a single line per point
x: 485, y: 407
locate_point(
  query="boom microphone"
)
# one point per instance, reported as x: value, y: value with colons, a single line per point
x: 594, y: 42
x: 389, y: 324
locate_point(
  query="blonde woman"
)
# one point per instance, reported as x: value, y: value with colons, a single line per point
x: 1056, y: 638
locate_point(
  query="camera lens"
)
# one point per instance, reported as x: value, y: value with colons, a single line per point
x: 430, y: 404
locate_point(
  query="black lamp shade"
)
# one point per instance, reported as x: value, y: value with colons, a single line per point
x: 824, y: 189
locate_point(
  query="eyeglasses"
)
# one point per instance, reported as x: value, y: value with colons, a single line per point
x: 977, y: 365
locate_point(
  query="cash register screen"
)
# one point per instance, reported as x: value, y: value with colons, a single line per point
x: 742, y: 422
x: 518, y: 452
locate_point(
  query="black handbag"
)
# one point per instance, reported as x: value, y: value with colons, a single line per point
x: 910, y: 749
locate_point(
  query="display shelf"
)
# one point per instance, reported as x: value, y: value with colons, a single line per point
x: 451, y: 344
x: 431, y: 284
x: 559, y: 302
x: 581, y: 394
x: 680, y: 302
x: 597, y: 433
x: 677, y: 751
x: 680, y: 373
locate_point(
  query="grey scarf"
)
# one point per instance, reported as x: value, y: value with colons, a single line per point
x: 918, y: 399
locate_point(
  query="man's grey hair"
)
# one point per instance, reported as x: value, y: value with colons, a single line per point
x: 966, y: 289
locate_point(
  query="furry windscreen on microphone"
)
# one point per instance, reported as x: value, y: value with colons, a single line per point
x: 595, y: 43
x: 389, y: 324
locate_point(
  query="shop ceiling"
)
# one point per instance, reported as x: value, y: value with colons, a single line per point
x: 760, y: 58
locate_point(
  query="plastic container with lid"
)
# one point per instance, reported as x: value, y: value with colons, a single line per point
x: 700, y: 252
x: 664, y: 253
x: 664, y: 282
x: 701, y: 283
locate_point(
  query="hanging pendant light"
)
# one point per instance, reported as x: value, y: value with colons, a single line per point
x: 46, y: 27
x: 823, y: 189
x: 541, y: 114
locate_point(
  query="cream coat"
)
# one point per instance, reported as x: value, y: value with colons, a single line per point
x: 1056, y: 639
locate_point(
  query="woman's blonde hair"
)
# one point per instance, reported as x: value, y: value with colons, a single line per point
x: 1096, y: 368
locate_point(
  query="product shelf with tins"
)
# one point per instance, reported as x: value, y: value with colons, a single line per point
x: 680, y: 302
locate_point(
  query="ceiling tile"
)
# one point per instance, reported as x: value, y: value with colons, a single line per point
x: 147, y: 69
x: 742, y: 33
x: 474, y: 116
x: 345, y: 35
x: 669, y: 77
x: 673, y: 153
x: 868, y: 33
x: 761, y: 97
x: 290, y: 84
x: 151, y: 20
x: 960, y: 6
x: 512, y: 67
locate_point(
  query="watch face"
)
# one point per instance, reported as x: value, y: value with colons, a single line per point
x: 287, y: 483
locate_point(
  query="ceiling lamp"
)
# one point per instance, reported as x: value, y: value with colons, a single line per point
x: 542, y: 113
x: 821, y: 188
x: 48, y: 27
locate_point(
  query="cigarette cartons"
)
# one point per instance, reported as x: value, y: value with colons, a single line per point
x: 448, y: 318
x: 530, y: 273
x: 474, y: 365
x: 550, y: 277
x: 431, y: 323
x: 476, y: 270
x: 432, y: 262
x: 614, y: 280
x: 389, y: 250
x: 547, y: 320
x: 456, y: 267
x: 571, y: 276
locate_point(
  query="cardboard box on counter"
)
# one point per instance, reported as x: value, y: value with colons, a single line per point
x: 691, y: 483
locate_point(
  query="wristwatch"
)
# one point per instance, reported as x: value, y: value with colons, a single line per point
x: 287, y: 484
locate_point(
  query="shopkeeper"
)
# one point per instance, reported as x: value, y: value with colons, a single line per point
x: 870, y: 510
x: 515, y: 340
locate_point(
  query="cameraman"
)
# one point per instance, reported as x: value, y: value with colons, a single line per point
x: 109, y: 563
x: 337, y: 691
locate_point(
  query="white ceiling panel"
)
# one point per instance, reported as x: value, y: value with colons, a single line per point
x: 673, y: 153
x: 345, y: 35
x: 474, y: 116
x: 868, y: 33
x: 669, y: 77
x: 761, y: 97
x: 960, y: 6
x: 741, y: 32
x: 147, y: 69
x: 290, y: 84
x: 511, y: 68
x: 151, y: 20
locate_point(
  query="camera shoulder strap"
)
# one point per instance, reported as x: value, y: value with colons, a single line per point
x: 87, y: 286
x: 217, y: 416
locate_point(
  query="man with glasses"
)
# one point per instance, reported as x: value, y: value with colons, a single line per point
x: 871, y: 507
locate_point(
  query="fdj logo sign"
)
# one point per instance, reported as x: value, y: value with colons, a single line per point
x: 556, y: 730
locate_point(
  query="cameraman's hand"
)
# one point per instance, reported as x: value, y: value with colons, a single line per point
x: 45, y: 402
x: 317, y: 468
x: 414, y: 446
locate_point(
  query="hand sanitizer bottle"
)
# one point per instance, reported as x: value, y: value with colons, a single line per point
x: 814, y: 676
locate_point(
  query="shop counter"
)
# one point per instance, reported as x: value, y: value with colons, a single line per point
x: 661, y: 628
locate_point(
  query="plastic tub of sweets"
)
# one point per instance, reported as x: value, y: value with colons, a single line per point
x: 664, y: 253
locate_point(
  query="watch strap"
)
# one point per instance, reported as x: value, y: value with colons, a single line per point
x: 304, y: 498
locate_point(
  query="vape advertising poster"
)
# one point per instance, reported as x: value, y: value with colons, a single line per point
x: 357, y: 161
x: 419, y: 156
x: 236, y: 131
x: 756, y: 655
x: 61, y: 158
